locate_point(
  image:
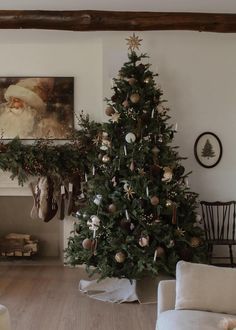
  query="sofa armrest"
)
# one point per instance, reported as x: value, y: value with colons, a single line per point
x: 166, y: 296
x: 4, y: 318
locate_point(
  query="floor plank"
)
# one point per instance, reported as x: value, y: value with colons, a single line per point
x: 47, y: 298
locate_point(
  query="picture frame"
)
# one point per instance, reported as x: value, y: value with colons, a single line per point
x: 36, y: 107
x: 208, y: 149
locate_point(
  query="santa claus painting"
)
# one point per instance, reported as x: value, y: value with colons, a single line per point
x: 34, y: 108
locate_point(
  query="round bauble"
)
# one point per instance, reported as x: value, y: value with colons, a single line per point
x: 132, y: 81
x: 130, y: 137
x: 168, y: 174
x: 120, y: 257
x: 143, y: 241
x: 109, y: 111
x: 160, y: 252
x: 112, y: 208
x: 135, y: 98
x: 95, y: 219
x: 87, y: 244
x: 106, y: 159
x: 154, y: 200
x: 195, y: 242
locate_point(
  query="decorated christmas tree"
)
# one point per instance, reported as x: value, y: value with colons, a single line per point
x: 140, y: 216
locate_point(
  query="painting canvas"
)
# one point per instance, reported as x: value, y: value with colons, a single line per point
x: 36, y: 107
x: 208, y: 149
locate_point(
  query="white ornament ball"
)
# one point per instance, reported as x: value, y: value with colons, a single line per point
x: 130, y: 137
x: 143, y: 241
x: 94, y: 222
x: 120, y: 257
x: 95, y: 219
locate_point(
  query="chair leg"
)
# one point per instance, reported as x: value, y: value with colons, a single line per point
x: 231, y: 256
x: 210, y: 251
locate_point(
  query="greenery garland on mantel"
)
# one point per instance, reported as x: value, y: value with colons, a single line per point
x: 48, y: 158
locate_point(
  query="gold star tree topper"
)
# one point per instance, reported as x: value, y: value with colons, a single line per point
x: 133, y: 42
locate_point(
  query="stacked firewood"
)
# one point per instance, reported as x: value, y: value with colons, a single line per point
x: 18, y: 245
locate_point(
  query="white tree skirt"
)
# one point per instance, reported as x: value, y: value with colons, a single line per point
x: 110, y: 289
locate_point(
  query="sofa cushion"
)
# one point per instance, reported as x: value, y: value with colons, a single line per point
x: 188, y: 319
x: 206, y: 288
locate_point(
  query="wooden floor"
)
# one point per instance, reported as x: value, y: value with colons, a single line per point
x: 47, y: 298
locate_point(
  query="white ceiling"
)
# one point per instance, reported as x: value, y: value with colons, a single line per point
x: 129, y: 5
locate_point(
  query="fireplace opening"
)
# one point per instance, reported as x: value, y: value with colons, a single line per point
x: 15, y: 218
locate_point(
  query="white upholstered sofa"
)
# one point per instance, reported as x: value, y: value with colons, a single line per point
x: 200, y: 298
x: 4, y: 318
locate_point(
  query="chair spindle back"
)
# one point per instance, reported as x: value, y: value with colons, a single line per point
x: 219, y: 220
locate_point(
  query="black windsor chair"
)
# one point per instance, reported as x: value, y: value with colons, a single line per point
x: 219, y: 225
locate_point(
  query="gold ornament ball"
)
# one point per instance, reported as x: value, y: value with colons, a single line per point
x: 160, y: 252
x: 87, y: 244
x: 154, y: 200
x: 132, y: 81
x: 195, y: 242
x: 112, y: 208
x: 106, y: 159
x: 143, y: 241
x: 109, y: 111
x: 120, y: 257
x: 135, y: 98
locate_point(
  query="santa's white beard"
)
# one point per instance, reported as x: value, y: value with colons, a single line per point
x: 19, y: 122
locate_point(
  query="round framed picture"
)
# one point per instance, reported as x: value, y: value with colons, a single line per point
x: 208, y: 149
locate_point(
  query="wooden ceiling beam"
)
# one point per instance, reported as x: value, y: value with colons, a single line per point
x: 93, y: 20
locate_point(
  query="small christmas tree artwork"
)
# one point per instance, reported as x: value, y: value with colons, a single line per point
x: 140, y: 216
x: 207, y: 150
